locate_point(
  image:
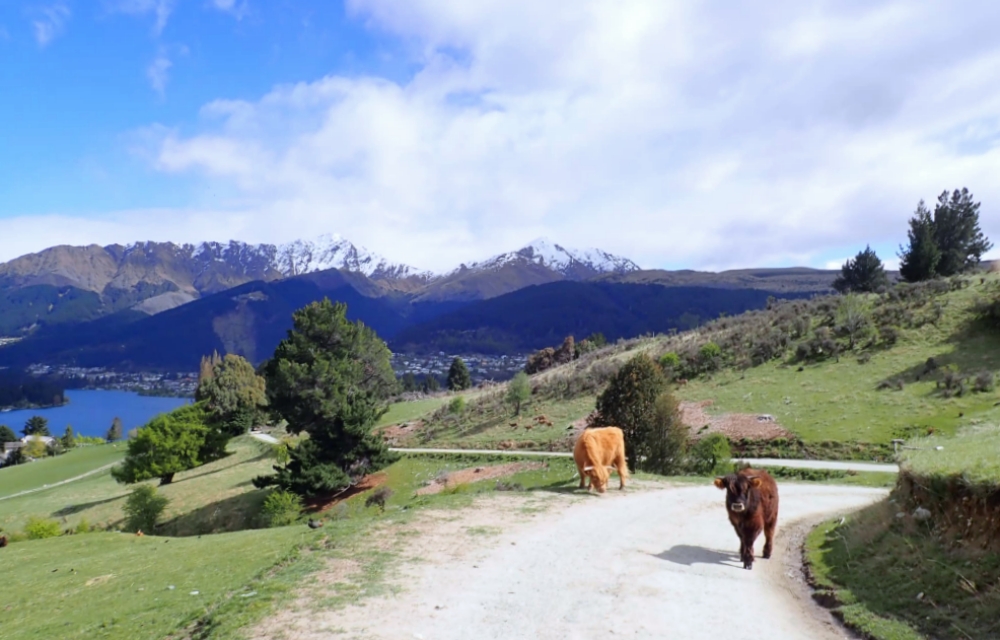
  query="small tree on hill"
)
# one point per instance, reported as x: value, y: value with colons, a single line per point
x: 7, y: 434
x: 430, y: 384
x: 233, y: 393
x: 330, y: 378
x: 629, y: 402
x: 864, y: 273
x: 957, y: 233
x: 68, y: 439
x: 853, y: 319
x: 458, y: 375
x: 919, y: 260
x: 36, y: 426
x: 115, y: 432
x: 143, y: 508
x: 169, y: 443
x: 35, y: 448
x: 408, y: 382
x: 518, y: 391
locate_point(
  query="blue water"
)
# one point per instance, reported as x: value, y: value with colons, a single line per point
x: 91, y: 412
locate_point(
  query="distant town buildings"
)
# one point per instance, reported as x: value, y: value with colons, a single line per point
x: 481, y: 367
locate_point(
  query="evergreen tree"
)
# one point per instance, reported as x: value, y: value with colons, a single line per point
x: 330, y: 378
x: 518, y: 391
x: 458, y: 375
x: 919, y: 260
x: 68, y: 439
x: 630, y: 402
x: 409, y: 382
x: 430, y: 384
x: 233, y: 393
x: 7, y: 434
x: 957, y: 233
x: 864, y: 273
x: 115, y: 432
x: 169, y: 443
x: 36, y: 426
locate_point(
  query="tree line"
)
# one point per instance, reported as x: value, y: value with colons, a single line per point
x: 940, y: 244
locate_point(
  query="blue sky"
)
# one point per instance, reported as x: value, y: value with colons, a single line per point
x: 682, y: 135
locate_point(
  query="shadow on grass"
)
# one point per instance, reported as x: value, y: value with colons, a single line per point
x: 688, y: 555
x: 563, y: 486
x: 77, y: 508
x: 235, y: 513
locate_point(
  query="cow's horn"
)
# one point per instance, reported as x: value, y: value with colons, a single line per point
x: 588, y: 468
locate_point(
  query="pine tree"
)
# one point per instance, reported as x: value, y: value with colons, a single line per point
x: 430, y: 384
x: 630, y: 402
x: 233, y: 393
x: 330, y: 378
x: 864, y: 273
x: 36, y: 426
x: 68, y: 439
x: 919, y: 260
x: 957, y: 233
x: 115, y: 432
x: 458, y: 375
x: 7, y: 434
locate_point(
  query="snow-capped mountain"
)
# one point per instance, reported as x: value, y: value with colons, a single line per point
x: 555, y: 257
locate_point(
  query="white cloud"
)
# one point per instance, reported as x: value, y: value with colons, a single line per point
x: 157, y: 72
x: 161, y: 10
x: 698, y: 134
x: 237, y: 8
x: 50, y: 22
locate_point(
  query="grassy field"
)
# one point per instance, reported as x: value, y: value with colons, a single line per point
x: 840, y: 400
x: 973, y: 453
x: 893, y: 580
x: 73, y: 463
x: 112, y: 585
x: 411, y: 410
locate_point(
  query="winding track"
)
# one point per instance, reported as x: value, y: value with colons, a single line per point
x: 645, y: 564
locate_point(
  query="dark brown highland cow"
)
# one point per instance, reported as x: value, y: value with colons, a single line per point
x: 752, y: 505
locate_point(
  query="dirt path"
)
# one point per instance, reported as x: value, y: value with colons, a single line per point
x: 644, y: 564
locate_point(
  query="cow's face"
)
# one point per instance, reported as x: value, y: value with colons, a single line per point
x: 738, y: 490
x: 598, y: 480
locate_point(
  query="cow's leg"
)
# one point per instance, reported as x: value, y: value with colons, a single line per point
x: 769, y: 527
x: 583, y: 476
x: 750, y: 537
x: 621, y: 464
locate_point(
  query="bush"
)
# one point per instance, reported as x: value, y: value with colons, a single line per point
x: 457, y: 405
x: 518, y: 391
x: 711, y: 455
x: 670, y: 362
x: 665, y: 444
x: 629, y: 402
x: 82, y: 527
x: 985, y: 382
x: 143, y: 508
x: 281, y: 508
x: 40, y: 528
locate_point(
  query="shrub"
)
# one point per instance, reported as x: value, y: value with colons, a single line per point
x: 281, y: 508
x: 82, y: 527
x: 457, y: 405
x: 710, y: 357
x: 670, y: 362
x: 39, y: 528
x: 711, y: 455
x: 143, y: 508
x: 518, y: 391
x: 666, y: 442
x: 629, y: 402
x: 985, y: 382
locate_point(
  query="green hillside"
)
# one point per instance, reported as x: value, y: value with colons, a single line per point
x: 912, y: 370
x: 48, y: 471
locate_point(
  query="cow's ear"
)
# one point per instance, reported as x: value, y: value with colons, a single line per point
x: 755, y: 481
x: 720, y: 482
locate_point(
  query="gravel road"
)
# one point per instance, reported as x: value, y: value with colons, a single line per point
x: 643, y: 564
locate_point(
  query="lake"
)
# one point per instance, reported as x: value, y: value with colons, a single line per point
x: 91, y: 412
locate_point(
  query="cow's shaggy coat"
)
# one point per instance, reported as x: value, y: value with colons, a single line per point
x: 752, y: 505
x: 597, y: 449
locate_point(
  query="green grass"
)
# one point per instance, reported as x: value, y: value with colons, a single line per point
x: 838, y: 401
x: 109, y: 585
x: 473, y: 429
x: 974, y: 453
x: 891, y: 579
x: 400, y: 412
x: 33, y: 475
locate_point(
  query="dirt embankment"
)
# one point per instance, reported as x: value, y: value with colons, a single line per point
x: 959, y: 513
x: 477, y: 474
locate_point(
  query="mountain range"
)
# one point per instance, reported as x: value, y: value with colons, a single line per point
x: 162, y: 305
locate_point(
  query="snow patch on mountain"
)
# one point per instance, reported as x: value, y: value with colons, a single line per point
x: 566, y: 261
